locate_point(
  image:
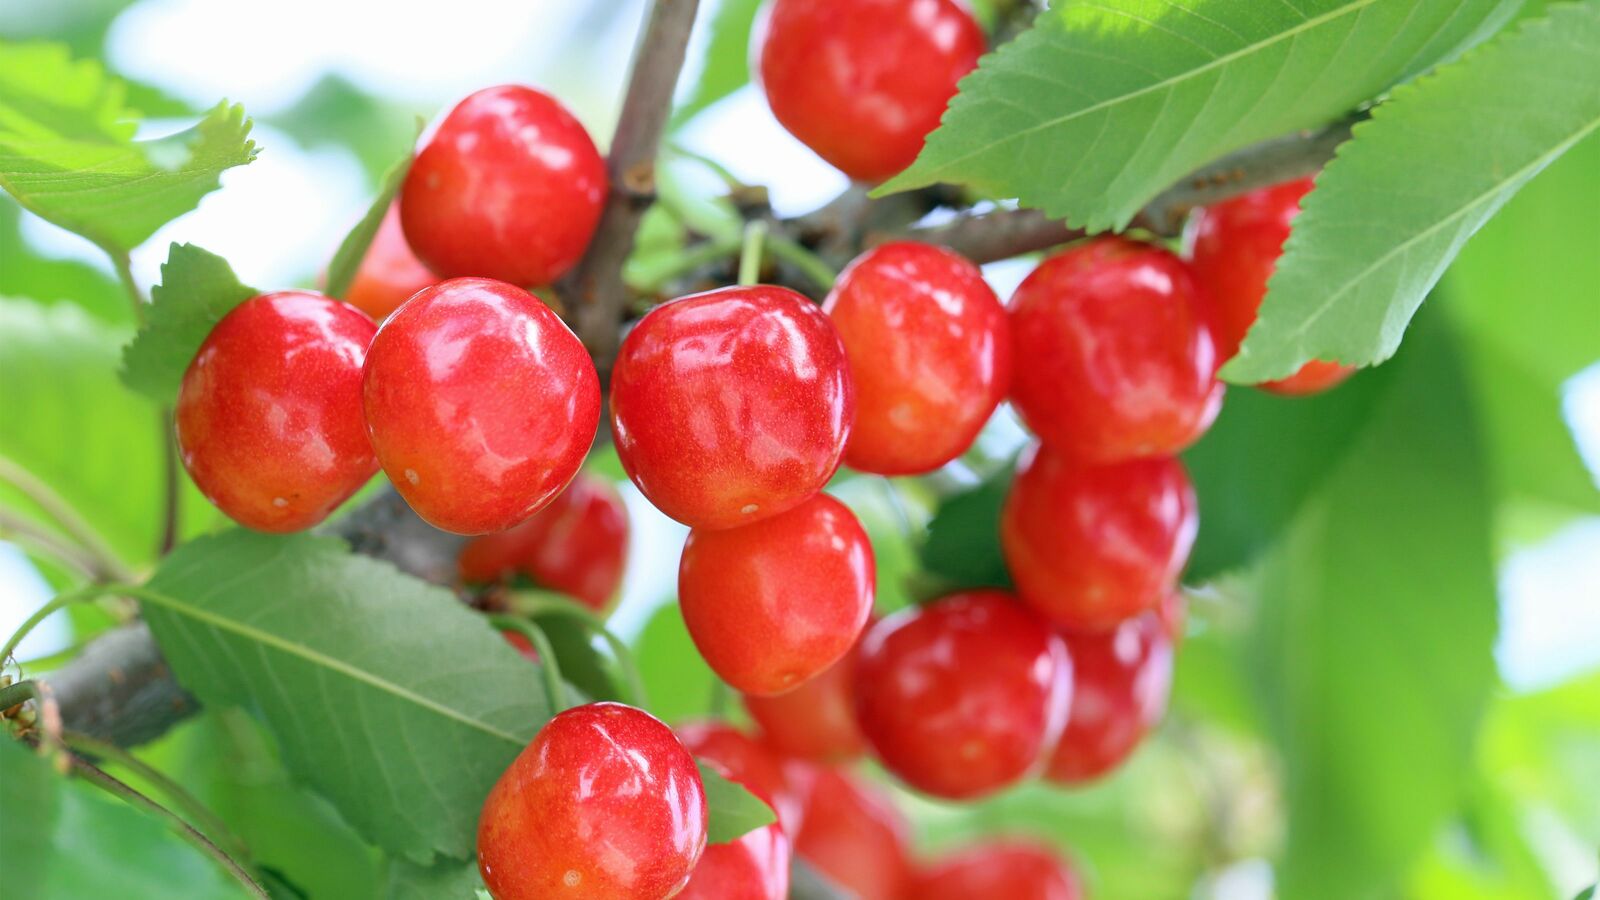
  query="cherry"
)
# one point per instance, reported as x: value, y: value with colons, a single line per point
x: 1233, y: 248
x: 1122, y: 679
x: 521, y: 644
x: 1091, y: 546
x: 508, y: 186
x: 390, y: 273
x: 756, y: 866
x: 930, y: 355
x: 863, y: 82
x: 605, y: 802
x: 731, y: 406
x: 854, y: 836
x: 1012, y: 869
x: 578, y: 545
x: 774, y: 604
x: 815, y: 721
x: 1120, y: 360
x: 269, y: 413
x: 962, y: 696
x: 480, y: 403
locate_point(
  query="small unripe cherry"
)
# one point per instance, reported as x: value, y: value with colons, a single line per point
x: 481, y: 404
x: 1121, y: 363
x: 1122, y: 679
x: 731, y: 406
x: 390, y: 273
x: 930, y: 355
x: 815, y: 721
x: 774, y: 604
x: 962, y: 696
x: 268, y: 416
x: 508, y: 186
x: 756, y: 865
x: 854, y: 836
x: 1009, y: 869
x: 1092, y: 546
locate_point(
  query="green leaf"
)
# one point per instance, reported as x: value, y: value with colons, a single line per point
x: 1100, y: 106
x: 197, y: 289
x: 890, y: 522
x: 963, y: 543
x: 384, y: 692
x: 405, y: 880
x: 1401, y: 198
x: 726, y: 66
x: 67, y: 151
x: 680, y: 681
x: 353, y: 249
x: 731, y: 810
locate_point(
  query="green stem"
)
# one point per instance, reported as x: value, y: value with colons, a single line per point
x: 124, y: 267
x: 30, y: 536
x: 554, y: 690
x: 57, y: 508
x: 690, y: 260
x: 718, y: 169
x: 13, y: 694
x: 534, y: 605
x: 60, y: 601
x: 48, y: 721
x: 755, y: 239
x: 809, y: 264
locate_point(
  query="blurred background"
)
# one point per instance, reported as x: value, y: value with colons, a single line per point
x: 336, y: 88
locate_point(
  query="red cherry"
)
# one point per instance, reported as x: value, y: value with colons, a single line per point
x: 930, y: 355
x: 390, y: 273
x: 605, y: 802
x: 863, y: 82
x: 1014, y: 870
x: 1091, y: 546
x: 509, y: 186
x: 772, y: 605
x: 481, y: 404
x: 1121, y: 681
x: 962, y: 697
x: 815, y: 721
x: 1120, y: 360
x: 731, y: 406
x: 756, y: 866
x: 578, y: 545
x: 854, y: 836
x: 1233, y: 248
x: 521, y: 644
x: 269, y: 413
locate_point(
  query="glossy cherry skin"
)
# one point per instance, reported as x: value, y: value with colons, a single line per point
x: 390, y: 273
x: 854, y: 836
x: 930, y: 355
x: 815, y: 721
x: 1233, y: 248
x: 962, y: 696
x: 269, y: 412
x: 774, y: 604
x: 1009, y: 869
x: 509, y: 186
x: 863, y: 82
x: 756, y: 866
x: 578, y: 546
x: 1122, y: 679
x: 480, y: 403
x: 1120, y: 359
x: 731, y: 406
x: 604, y: 803
x: 1092, y: 546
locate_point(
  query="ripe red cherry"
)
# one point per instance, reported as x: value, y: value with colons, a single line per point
x: 1121, y: 681
x: 731, y: 406
x: 774, y: 604
x: 1233, y: 248
x: 855, y: 837
x: 815, y: 721
x: 930, y: 355
x: 578, y: 546
x: 1091, y: 546
x: 390, y: 273
x: 605, y: 802
x: 1120, y: 360
x: 863, y: 82
x: 269, y: 413
x: 509, y: 186
x: 481, y: 404
x: 962, y: 696
x: 756, y: 866
x: 1014, y: 870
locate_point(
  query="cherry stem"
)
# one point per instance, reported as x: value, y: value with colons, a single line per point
x: 107, y: 563
x: 810, y: 264
x: 170, y: 482
x: 755, y: 238
x: 554, y: 690
x: 124, y: 266
x: 539, y: 605
x: 60, y: 601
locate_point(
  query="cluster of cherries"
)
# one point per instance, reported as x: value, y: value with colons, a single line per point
x: 731, y: 410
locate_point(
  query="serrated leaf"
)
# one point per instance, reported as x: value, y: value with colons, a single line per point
x: 197, y: 289
x: 726, y: 65
x: 731, y: 810
x: 384, y: 692
x: 67, y: 151
x: 405, y: 880
x: 353, y: 248
x: 1100, y: 106
x: 1400, y: 199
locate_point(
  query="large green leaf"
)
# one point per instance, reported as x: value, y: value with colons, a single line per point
x: 1100, y: 106
x: 1430, y: 167
x: 448, y: 880
x: 726, y: 65
x: 963, y: 545
x: 197, y: 289
x: 67, y: 151
x: 732, y: 811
